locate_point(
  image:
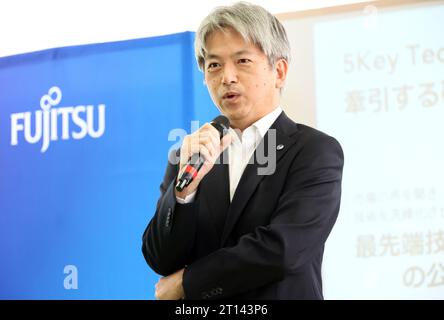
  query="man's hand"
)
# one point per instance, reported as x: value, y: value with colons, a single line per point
x: 207, y: 142
x: 170, y: 287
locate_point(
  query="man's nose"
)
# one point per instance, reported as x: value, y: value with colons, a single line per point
x: 229, y: 75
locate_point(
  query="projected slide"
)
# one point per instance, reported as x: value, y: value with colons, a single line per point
x: 379, y: 89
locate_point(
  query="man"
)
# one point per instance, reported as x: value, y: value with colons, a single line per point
x: 237, y: 231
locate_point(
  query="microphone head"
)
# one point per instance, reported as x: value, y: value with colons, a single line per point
x: 221, y: 123
x: 222, y: 120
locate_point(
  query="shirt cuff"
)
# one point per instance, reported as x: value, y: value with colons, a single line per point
x: 188, y: 199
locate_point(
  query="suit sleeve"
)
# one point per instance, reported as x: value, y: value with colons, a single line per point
x: 169, y: 236
x: 306, y: 212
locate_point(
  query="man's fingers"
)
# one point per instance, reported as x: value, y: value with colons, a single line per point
x: 225, y: 142
x: 205, y: 152
x: 205, y: 141
x: 209, y: 144
x: 191, y: 145
x: 212, y: 130
x: 214, y: 136
x: 208, y: 139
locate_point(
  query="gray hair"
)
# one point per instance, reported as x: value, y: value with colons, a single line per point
x: 253, y: 23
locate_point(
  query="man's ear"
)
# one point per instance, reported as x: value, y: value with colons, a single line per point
x: 281, y: 67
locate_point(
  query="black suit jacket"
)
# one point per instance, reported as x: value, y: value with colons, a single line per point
x: 268, y: 242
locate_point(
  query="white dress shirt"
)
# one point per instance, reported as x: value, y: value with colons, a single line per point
x: 241, y: 149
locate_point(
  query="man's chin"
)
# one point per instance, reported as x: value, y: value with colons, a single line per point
x: 234, y: 111
x: 234, y: 116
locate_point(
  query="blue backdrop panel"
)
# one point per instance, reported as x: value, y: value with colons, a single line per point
x: 83, y: 148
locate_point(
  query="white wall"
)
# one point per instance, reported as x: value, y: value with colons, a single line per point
x: 27, y: 26
x: 388, y: 119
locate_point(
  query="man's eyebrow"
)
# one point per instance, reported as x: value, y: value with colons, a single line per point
x: 211, y: 56
x: 236, y: 54
x: 241, y: 52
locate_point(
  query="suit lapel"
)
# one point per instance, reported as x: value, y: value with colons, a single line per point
x: 217, y: 193
x: 277, y: 136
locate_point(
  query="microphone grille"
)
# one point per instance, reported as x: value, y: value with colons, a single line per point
x: 221, y: 123
x: 223, y: 120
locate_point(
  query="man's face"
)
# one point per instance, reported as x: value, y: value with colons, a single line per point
x: 240, y: 79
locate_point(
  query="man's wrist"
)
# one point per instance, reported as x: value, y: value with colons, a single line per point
x: 185, y: 199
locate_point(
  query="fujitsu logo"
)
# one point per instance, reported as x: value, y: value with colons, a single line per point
x: 43, y: 125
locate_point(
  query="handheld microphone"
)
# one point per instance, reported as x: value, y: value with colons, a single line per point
x: 221, y: 123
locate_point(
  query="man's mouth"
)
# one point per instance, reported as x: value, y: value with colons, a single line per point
x: 230, y: 96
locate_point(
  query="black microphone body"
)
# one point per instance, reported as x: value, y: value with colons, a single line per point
x: 222, y: 124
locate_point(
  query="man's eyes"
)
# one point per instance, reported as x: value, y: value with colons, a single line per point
x: 214, y: 65
x: 244, y: 60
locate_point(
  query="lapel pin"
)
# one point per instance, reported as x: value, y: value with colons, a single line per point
x: 280, y: 147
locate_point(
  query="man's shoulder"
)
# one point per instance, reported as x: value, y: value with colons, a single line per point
x: 315, y: 139
x: 304, y: 135
x: 291, y: 127
x: 311, y: 132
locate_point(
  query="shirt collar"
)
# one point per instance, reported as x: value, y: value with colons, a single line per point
x: 260, y: 127
x: 263, y: 124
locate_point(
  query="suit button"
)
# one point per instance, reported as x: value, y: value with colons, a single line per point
x: 168, y: 218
